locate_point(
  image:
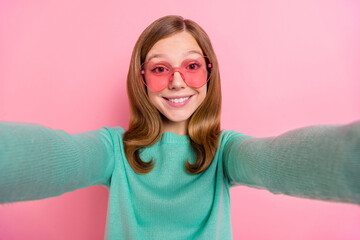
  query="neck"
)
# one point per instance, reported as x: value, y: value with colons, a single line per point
x: 179, y: 128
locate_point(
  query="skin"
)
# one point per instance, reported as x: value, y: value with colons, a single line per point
x: 174, y: 50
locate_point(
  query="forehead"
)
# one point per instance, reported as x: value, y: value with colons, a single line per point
x: 175, y: 47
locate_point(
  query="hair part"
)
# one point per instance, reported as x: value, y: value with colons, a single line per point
x: 145, y: 125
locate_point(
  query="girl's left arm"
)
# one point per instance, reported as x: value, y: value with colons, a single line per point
x: 318, y: 162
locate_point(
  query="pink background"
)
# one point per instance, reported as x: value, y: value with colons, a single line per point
x: 284, y: 64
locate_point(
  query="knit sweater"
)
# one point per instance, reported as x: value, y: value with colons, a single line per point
x: 319, y: 162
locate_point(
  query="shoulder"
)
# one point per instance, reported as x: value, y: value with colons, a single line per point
x: 228, y: 135
x: 231, y: 137
x: 109, y: 135
x: 113, y: 131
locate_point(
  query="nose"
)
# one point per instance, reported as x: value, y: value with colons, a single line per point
x: 177, y: 81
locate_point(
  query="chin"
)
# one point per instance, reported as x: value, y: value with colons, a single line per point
x: 177, y: 119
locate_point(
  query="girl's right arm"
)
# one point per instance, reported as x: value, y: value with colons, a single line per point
x: 38, y: 162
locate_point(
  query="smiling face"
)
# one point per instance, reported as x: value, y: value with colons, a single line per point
x: 178, y: 101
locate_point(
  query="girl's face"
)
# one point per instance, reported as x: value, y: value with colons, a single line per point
x: 177, y: 102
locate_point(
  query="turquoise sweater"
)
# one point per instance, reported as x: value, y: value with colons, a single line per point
x: 319, y: 162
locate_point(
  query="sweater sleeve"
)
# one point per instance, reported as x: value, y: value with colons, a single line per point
x: 38, y: 162
x: 318, y: 162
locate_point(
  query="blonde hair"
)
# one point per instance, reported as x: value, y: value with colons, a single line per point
x: 145, y: 126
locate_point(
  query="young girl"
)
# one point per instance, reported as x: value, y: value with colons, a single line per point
x: 169, y: 175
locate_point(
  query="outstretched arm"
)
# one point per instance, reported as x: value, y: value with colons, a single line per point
x: 37, y: 162
x: 318, y: 162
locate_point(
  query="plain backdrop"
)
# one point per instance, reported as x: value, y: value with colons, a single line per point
x: 284, y: 65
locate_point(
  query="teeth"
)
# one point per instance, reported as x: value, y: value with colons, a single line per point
x: 178, y: 100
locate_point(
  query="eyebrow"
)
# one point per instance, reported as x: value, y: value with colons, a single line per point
x: 192, y: 52
x: 184, y: 54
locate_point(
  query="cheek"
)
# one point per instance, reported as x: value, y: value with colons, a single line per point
x: 154, y: 99
x: 202, y: 93
x: 151, y: 98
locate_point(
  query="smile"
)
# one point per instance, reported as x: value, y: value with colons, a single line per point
x: 178, y: 101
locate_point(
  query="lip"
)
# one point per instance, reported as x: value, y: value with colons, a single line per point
x: 180, y: 104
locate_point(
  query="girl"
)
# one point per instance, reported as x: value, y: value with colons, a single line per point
x: 169, y: 175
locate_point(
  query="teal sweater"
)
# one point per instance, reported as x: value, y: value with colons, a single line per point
x: 319, y: 162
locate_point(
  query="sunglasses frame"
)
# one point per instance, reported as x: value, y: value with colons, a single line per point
x: 209, y: 68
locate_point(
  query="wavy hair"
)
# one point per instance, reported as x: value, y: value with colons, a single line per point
x: 145, y: 126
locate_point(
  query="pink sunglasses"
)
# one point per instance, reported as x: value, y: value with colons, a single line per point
x: 158, y: 75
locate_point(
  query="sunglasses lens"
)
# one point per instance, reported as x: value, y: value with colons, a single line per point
x: 195, y: 72
x: 157, y: 76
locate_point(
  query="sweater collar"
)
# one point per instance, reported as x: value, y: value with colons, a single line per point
x: 169, y: 137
